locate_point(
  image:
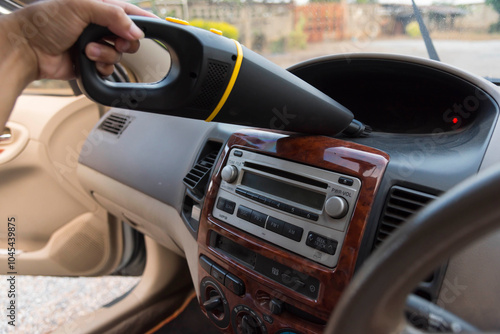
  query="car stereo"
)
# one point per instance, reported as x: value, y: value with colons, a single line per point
x: 303, y: 209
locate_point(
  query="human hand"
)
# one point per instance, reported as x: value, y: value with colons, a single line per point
x: 48, y: 29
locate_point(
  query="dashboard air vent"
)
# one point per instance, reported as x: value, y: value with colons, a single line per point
x: 198, y: 176
x: 400, y: 204
x: 115, y: 124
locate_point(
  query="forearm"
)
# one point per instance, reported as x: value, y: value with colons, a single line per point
x: 17, y: 68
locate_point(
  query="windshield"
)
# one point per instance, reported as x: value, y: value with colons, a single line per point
x: 465, y: 33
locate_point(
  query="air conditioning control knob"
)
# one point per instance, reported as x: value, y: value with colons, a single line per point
x: 229, y: 173
x: 336, y: 207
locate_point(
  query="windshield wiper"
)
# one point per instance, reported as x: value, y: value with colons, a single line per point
x: 425, y: 33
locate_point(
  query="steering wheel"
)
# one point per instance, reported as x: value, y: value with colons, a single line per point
x: 374, y: 300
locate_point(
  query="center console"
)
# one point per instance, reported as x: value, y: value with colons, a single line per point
x: 281, y: 229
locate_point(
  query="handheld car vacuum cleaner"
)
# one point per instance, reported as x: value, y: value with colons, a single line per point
x: 214, y: 78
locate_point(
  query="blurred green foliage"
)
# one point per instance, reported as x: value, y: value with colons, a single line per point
x: 298, y: 38
x: 278, y: 46
x: 495, y: 27
x: 228, y: 30
x: 412, y: 29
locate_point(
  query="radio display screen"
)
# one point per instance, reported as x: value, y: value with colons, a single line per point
x: 284, y: 190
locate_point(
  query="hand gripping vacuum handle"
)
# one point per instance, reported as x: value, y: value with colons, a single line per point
x: 214, y: 78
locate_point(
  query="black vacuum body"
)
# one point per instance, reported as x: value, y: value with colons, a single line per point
x: 214, y: 78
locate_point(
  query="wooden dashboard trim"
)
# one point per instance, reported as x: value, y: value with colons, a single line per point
x: 343, y: 157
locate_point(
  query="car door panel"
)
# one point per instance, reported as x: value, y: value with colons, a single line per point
x: 60, y: 229
x: 15, y: 144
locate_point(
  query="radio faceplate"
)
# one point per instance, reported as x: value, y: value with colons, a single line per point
x: 303, y: 209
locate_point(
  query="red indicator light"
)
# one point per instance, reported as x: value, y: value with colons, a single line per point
x: 455, y: 120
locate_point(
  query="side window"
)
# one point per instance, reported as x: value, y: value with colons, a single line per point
x: 49, y: 87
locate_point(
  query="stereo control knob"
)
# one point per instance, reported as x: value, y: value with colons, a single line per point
x: 215, y: 302
x: 229, y: 173
x: 276, y: 306
x: 336, y: 207
x: 249, y: 325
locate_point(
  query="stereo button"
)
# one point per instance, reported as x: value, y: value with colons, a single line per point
x: 234, y: 284
x: 275, y: 225
x: 241, y: 191
x: 221, y: 203
x: 275, y: 204
x: 312, y: 216
x: 226, y: 205
x: 288, y: 208
x: 306, y: 214
x: 269, y: 202
x: 292, y: 232
x: 244, y: 213
x: 346, y: 181
x: 218, y: 273
x: 268, y: 318
x: 229, y: 207
x: 258, y: 218
x: 206, y: 263
x: 321, y: 243
x: 252, y: 195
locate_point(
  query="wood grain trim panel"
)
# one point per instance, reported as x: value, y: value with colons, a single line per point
x: 348, y: 158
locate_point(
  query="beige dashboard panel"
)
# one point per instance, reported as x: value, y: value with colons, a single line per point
x: 152, y: 217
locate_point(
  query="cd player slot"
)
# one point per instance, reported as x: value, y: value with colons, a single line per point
x: 287, y: 175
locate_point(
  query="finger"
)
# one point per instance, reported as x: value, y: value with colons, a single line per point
x: 130, y: 9
x: 122, y: 45
x: 111, y: 16
x: 105, y: 69
x: 102, y: 53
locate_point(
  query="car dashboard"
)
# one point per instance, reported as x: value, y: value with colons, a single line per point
x: 274, y: 225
